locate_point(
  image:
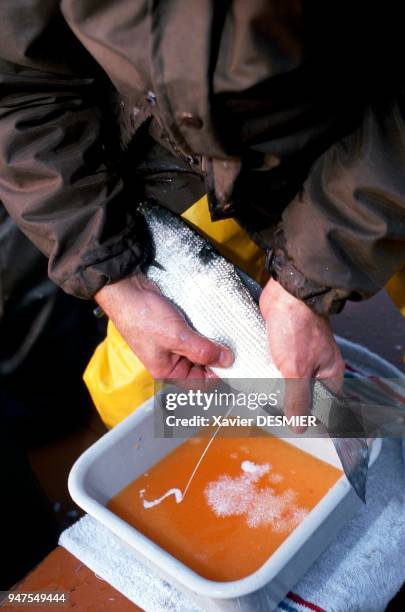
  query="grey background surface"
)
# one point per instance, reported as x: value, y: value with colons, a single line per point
x: 376, y: 324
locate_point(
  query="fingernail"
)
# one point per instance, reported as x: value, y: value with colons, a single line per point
x: 225, y: 359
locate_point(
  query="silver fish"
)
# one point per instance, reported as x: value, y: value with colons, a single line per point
x: 220, y: 303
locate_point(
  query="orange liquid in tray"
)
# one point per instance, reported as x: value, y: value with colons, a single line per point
x: 246, y: 497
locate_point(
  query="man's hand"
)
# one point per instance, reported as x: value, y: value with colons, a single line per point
x: 158, y: 333
x: 302, y: 346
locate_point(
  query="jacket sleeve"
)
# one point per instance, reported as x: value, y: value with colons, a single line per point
x: 54, y: 177
x: 343, y: 236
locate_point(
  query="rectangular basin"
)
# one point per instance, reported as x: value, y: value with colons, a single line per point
x: 128, y: 450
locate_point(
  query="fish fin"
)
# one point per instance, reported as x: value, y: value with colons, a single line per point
x: 251, y: 285
x: 157, y: 265
x: 354, y: 455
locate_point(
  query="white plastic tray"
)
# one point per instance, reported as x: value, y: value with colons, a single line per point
x: 128, y: 450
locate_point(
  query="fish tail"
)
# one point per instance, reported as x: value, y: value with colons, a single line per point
x: 354, y: 455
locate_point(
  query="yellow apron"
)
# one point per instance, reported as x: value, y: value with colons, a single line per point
x: 117, y: 381
x: 396, y: 290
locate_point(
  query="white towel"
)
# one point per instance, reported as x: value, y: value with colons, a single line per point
x: 365, y: 566
x: 360, y: 572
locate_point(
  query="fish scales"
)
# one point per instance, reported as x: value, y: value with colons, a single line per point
x: 208, y: 290
x: 211, y: 295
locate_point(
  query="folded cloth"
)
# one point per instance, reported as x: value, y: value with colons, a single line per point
x: 365, y: 566
x: 361, y: 571
x: 111, y: 559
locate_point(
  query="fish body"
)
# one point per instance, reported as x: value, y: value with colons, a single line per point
x: 216, y: 301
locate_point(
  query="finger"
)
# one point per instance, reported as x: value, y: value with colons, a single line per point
x: 163, y: 363
x: 193, y: 377
x: 200, y: 350
x: 197, y: 375
x: 210, y: 374
x: 187, y: 371
x: 334, y: 384
x: 332, y: 375
x: 186, y: 375
x: 297, y: 399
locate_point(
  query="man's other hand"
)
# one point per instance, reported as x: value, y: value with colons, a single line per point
x: 158, y: 333
x: 302, y: 346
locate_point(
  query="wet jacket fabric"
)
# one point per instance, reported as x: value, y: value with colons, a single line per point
x: 289, y: 114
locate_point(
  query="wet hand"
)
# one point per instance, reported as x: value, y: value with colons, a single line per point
x: 302, y: 346
x: 158, y: 333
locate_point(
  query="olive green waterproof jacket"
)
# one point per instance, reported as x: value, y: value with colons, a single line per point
x: 289, y: 114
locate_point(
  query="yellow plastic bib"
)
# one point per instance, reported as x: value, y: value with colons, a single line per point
x: 396, y: 290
